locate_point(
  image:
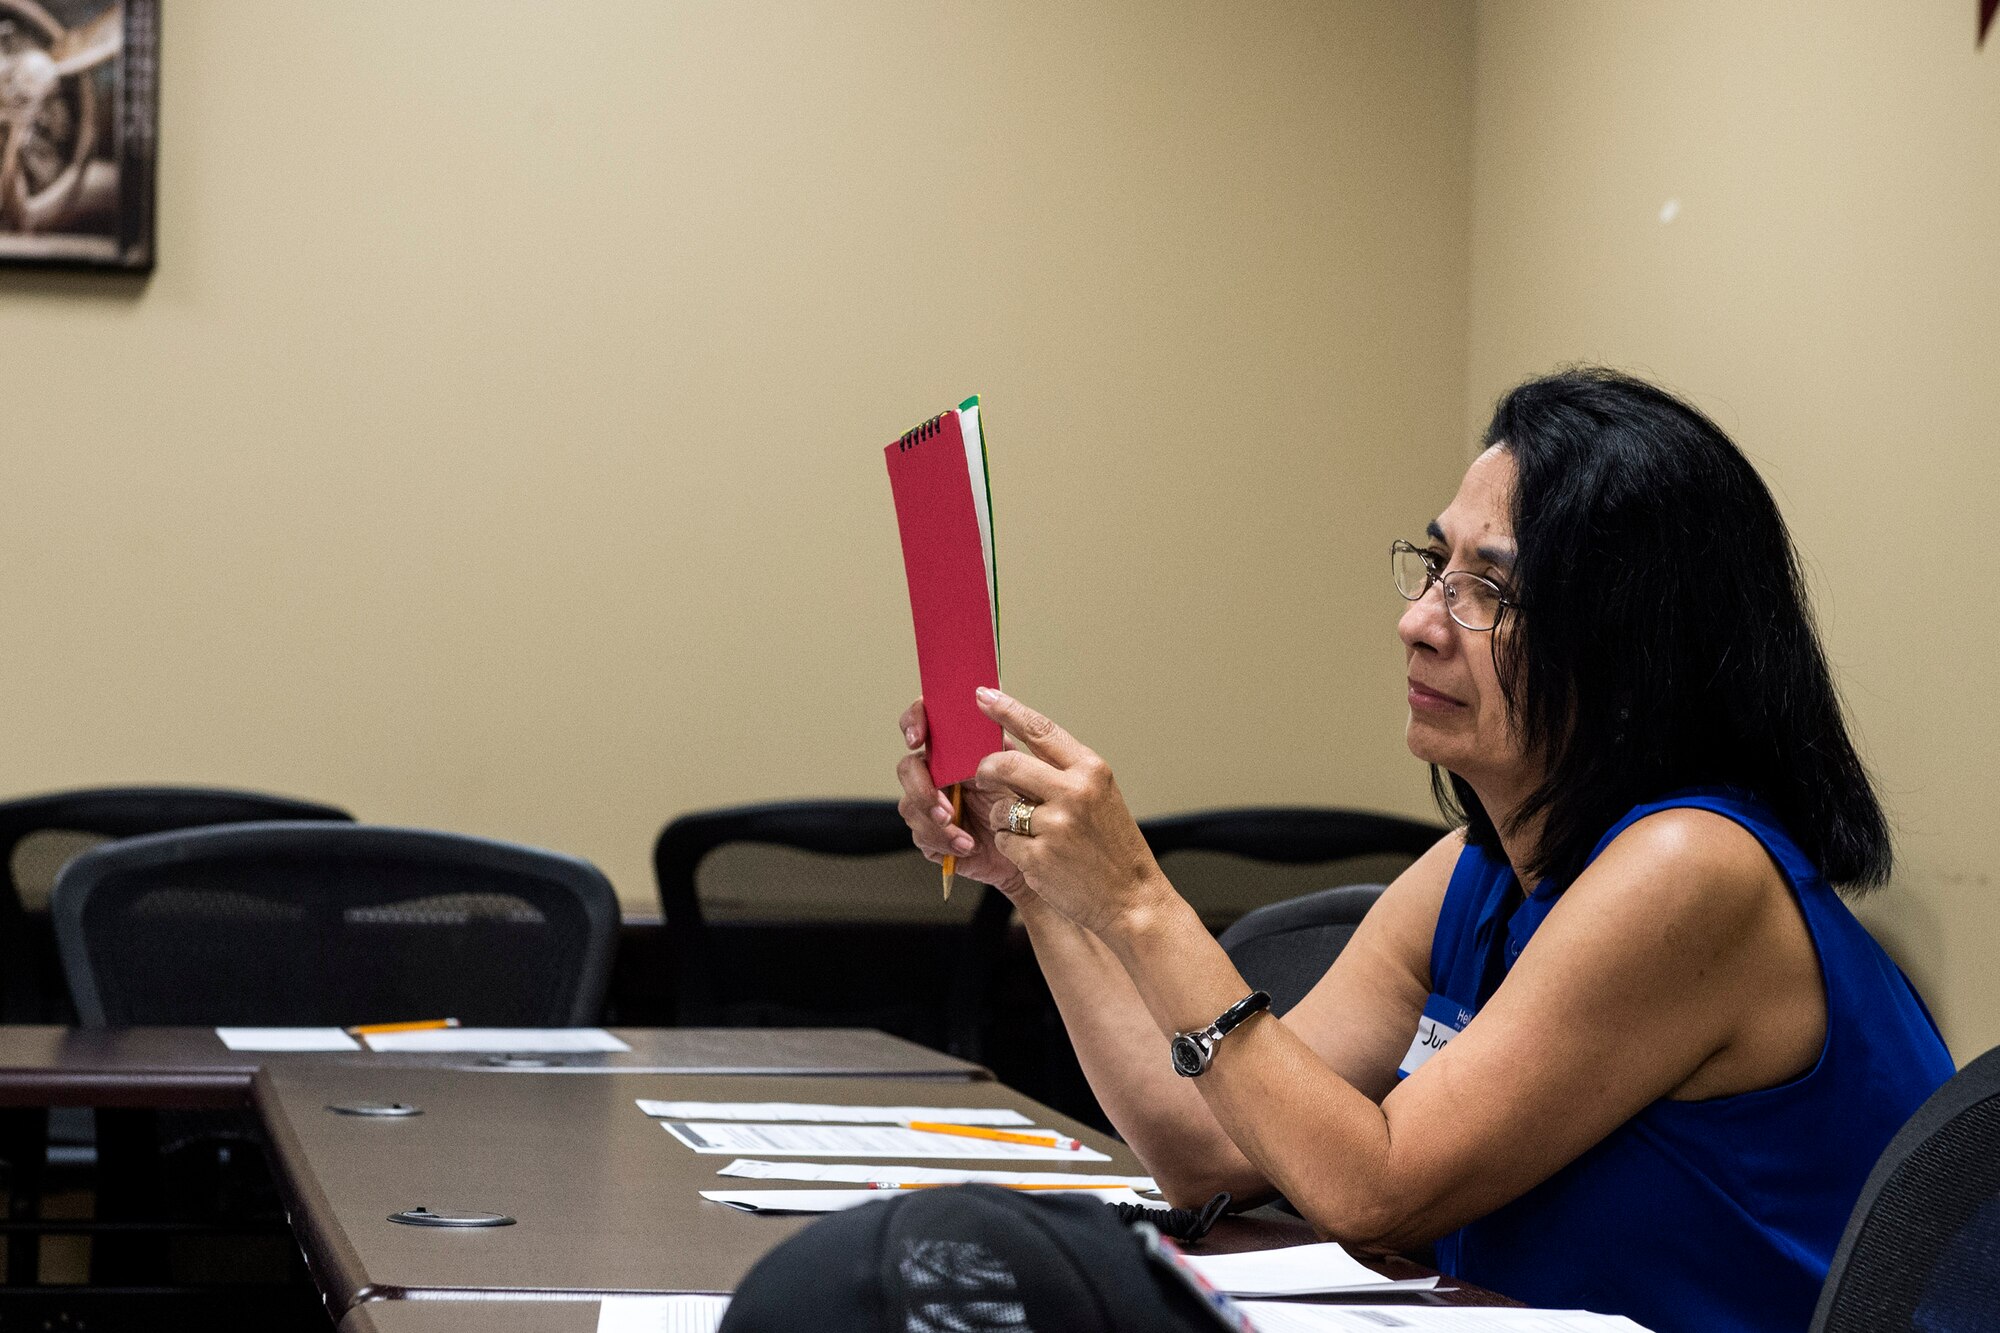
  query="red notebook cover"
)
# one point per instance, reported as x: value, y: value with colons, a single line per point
x: 946, y: 567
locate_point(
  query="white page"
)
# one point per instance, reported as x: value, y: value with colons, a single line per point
x: 835, y: 1201
x: 859, y: 1141
x: 859, y: 1173
x: 287, y: 1039
x: 661, y: 1314
x: 1295, y: 1270
x: 1280, y: 1317
x: 523, y: 1041
x: 982, y: 506
x: 820, y: 1113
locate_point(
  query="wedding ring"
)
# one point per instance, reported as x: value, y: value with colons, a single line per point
x: 1020, y: 819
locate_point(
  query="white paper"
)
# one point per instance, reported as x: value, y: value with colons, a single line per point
x: 1296, y: 1270
x: 661, y: 1314
x: 523, y: 1041
x: 1278, y: 1317
x: 287, y: 1039
x: 860, y: 1173
x: 835, y: 1201
x: 823, y: 1113
x: 709, y: 1136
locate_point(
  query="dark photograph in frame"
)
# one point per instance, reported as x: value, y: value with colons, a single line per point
x: 79, y: 105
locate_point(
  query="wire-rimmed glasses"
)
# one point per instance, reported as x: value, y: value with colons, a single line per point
x: 1472, y: 600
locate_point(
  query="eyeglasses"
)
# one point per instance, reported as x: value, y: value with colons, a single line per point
x: 1471, y: 600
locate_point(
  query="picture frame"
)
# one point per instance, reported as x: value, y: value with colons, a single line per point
x: 79, y: 115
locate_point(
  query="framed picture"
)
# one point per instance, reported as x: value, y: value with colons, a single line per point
x: 79, y: 106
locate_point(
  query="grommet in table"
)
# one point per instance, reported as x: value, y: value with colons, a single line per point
x: 444, y: 1217
x: 386, y: 1110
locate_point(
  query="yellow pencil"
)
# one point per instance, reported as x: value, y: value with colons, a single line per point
x: 999, y: 1135
x: 421, y: 1025
x: 950, y: 861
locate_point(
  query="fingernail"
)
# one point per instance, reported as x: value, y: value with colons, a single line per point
x: 962, y: 843
x: 910, y: 737
x: 987, y: 696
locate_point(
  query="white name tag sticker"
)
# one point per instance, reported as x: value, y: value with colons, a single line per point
x: 1442, y: 1019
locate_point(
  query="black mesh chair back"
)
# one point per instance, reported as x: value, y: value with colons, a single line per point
x: 1922, y: 1247
x: 822, y: 914
x: 39, y: 835
x: 1229, y: 862
x: 1287, y: 947
x: 329, y: 924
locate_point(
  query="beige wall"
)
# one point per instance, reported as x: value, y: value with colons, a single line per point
x: 1830, y: 290
x: 496, y: 447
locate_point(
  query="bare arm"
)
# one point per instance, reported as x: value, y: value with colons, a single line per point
x: 1358, y: 1019
x: 1653, y: 976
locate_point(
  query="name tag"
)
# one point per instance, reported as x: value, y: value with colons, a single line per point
x: 1442, y: 1019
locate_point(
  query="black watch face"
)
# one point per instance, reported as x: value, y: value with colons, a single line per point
x: 1189, y: 1058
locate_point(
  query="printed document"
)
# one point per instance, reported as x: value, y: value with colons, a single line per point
x: 835, y: 1201
x: 287, y: 1039
x: 737, y: 1138
x: 1280, y: 1317
x: 498, y: 1041
x: 1296, y: 1270
x: 819, y: 1113
x: 860, y: 1173
x: 661, y: 1314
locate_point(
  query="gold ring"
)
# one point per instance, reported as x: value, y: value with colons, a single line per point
x: 1020, y: 819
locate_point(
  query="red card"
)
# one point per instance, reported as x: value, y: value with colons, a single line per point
x: 949, y: 598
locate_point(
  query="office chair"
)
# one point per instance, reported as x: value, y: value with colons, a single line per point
x: 310, y: 924
x: 822, y: 914
x: 39, y: 835
x: 1285, y: 948
x: 1922, y: 1247
x: 297, y: 923
x: 1229, y: 862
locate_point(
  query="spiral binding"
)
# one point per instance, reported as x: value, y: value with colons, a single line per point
x: 917, y: 436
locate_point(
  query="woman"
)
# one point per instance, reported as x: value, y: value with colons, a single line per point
x: 1653, y: 1083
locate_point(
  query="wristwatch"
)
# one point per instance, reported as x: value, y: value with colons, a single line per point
x: 1193, y: 1050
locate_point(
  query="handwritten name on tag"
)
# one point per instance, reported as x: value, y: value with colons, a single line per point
x: 1443, y: 1018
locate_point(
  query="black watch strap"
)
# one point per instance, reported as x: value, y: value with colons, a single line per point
x: 1256, y: 1002
x: 1192, y: 1051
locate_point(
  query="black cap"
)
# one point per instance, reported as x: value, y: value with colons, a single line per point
x: 976, y: 1257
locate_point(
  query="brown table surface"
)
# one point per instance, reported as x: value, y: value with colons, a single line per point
x: 190, y: 1067
x: 472, y: 1317
x: 606, y: 1200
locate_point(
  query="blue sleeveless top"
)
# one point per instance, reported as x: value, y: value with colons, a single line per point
x: 1704, y: 1216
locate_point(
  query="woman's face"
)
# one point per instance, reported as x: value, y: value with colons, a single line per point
x: 1458, y: 717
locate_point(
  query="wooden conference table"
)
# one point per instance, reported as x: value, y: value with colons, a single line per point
x: 605, y: 1200
x: 190, y: 1069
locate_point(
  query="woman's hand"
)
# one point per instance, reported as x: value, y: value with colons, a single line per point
x: 1084, y: 854
x: 928, y: 813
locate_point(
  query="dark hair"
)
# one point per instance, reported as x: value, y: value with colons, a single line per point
x: 1664, y: 638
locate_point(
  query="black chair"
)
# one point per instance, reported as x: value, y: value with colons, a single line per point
x: 39, y: 835
x: 1922, y: 1247
x: 302, y: 923
x: 323, y: 924
x: 1287, y: 947
x: 1230, y: 862
x: 822, y: 914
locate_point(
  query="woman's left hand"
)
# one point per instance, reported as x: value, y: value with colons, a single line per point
x: 1084, y: 854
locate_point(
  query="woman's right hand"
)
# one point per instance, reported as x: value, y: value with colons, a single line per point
x: 928, y: 813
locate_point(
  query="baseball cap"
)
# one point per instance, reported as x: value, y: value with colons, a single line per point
x: 977, y: 1257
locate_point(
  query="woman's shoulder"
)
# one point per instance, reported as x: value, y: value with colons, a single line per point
x: 1693, y: 859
